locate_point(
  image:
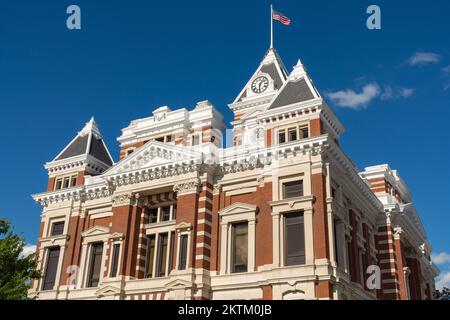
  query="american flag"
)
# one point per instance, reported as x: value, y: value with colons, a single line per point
x: 280, y: 17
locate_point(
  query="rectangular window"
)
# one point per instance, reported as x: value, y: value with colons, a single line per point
x: 52, y: 267
x: 292, y: 134
x: 57, y: 228
x: 95, y: 264
x: 195, y: 140
x: 153, y: 215
x: 304, y: 132
x: 73, y: 181
x: 239, y: 247
x: 165, y: 213
x: 160, y: 139
x: 174, y: 212
x: 169, y: 138
x: 294, y: 239
x: 150, y: 255
x: 336, y: 247
x: 171, y: 250
x: 115, y: 260
x: 58, y: 185
x: 162, y: 255
x: 293, y: 189
x: 66, y: 182
x: 182, y: 260
x: 281, y: 136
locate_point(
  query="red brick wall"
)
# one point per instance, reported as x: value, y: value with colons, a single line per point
x: 187, y: 212
x: 269, y: 137
x: 401, y: 263
x: 320, y: 221
x: 315, y: 127
x: 51, y: 184
x: 264, y: 239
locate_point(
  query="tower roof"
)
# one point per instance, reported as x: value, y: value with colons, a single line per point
x: 272, y: 65
x: 87, y: 142
x: 297, y: 88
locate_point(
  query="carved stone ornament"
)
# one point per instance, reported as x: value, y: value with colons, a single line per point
x: 122, y: 199
x: 186, y: 187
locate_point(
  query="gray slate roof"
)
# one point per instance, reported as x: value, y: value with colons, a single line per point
x: 272, y: 71
x: 76, y: 148
x: 293, y: 92
x: 79, y: 145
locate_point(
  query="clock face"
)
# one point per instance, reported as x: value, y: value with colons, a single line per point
x: 260, y: 84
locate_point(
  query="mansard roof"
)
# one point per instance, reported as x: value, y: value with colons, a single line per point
x: 87, y: 142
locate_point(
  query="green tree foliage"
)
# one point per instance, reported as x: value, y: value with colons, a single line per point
x: 16, y: 270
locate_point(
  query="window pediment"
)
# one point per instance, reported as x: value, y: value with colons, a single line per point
x: 238, y: 208
x: 95, y: 231
x: 178, y: 284
x: 107, y: 291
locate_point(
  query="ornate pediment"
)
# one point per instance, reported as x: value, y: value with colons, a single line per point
x: 178, y: 283
x: 156, y: 157
x: 108, y: 290
x: 238, y: 207
x: 116, y: 236
x: 95, y: 231
x: 183, y: 226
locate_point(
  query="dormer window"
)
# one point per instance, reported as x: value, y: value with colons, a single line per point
x: 73, y: 181
x: 304, y: 132
x: 289, y: 134
x: 58, y: 184
x: 292, y: 134
x: 66, y: 182
x: 281, y: 136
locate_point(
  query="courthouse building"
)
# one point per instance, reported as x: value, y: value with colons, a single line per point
x: 282, y: 213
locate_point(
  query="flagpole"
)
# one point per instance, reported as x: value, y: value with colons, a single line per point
x: 271, y: 27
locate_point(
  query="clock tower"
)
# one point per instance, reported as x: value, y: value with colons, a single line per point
x: 259, y: 91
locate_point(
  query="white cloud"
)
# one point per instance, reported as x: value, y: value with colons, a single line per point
x: 446, y: 72
x: 28, y: 249
x: 353, y: 100
x: 406, y: 92
x: 420, y: 58
x: 443, y: 280
x: 441, y: 258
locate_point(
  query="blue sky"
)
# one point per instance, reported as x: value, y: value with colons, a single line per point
x: 390, y: 87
